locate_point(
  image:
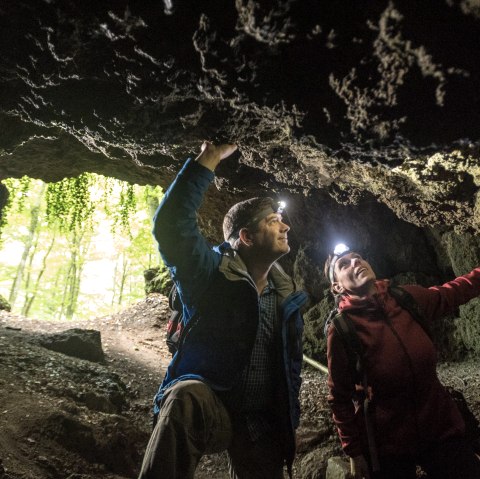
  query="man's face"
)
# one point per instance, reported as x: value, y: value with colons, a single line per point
x: 270, y: 236
x: 353, y: 275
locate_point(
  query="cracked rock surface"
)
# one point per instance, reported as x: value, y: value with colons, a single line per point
x: 375, y: 98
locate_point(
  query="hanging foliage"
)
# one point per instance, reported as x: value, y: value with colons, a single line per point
x: 18, y: 189
x: 17, y: 194
x: 127, y: 206
x: 107, y: 186
x: 69, y: 203
x: 72, y: 219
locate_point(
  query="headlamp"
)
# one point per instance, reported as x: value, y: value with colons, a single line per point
x: 259, y: 215
x: 339, y: 250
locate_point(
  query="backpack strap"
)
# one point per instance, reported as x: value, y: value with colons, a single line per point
x: 353, y: 347
x: 334, y: 312
x: 174, y: 300
x: 175, y: 324
x: 347, y: 332
x: 407, y: 302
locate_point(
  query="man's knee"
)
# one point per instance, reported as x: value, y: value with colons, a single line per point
x: 191, y: 402
x: 190, y: 388
x: 192, y: 406
x: 185, y: 397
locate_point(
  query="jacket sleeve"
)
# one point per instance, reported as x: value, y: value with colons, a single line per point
x: 341, y: 386
x: 184, y: 250
x: 437, y: 301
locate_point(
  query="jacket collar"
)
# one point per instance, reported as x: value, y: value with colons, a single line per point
x: 367, y: 303
x: 234, y: 269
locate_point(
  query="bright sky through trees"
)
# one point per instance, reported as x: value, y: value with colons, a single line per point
x: 76, y: 248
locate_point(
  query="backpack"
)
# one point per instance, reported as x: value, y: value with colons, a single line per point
x: 175, y: 324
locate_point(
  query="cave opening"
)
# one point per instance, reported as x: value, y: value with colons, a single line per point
x: 77, y: 248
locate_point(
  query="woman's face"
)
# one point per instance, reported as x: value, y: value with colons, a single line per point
x: 353, y: 275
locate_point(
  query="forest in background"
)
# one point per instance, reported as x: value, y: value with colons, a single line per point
x: 77, y: 248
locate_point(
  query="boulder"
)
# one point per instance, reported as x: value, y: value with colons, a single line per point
x: 79, y: 343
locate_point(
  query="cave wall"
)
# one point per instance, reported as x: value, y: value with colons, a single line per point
x: 363, y: 115
x: 396, y: 249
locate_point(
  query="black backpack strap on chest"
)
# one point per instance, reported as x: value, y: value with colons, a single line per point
x: 354, y: 349
x: 406, y: 301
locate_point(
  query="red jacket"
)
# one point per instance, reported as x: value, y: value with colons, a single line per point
x: 410, y: 408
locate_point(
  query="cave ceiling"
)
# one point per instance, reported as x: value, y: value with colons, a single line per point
x: 362, y: 99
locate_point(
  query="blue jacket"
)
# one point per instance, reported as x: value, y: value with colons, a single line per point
x: 220, y: 299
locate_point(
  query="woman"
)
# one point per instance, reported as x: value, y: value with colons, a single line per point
x: 414, y: 420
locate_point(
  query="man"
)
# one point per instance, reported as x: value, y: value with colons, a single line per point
x: 234, y: 382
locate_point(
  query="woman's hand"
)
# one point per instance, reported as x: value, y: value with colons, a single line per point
x: 359, y: 468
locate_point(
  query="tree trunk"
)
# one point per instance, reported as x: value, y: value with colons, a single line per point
x: 34, y: 216
x: 77, y: 262
x: 30, y: 298
x: 123, y: 277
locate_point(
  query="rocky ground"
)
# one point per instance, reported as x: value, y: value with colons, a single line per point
x: 63, y: 417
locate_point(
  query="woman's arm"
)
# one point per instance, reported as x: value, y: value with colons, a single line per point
x: 437, y: 301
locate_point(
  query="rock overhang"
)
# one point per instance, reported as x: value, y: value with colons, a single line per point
x: 356, y: 99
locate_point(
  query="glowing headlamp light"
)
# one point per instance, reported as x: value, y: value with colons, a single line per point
x: 270, y: 209
x: 338, y: 252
